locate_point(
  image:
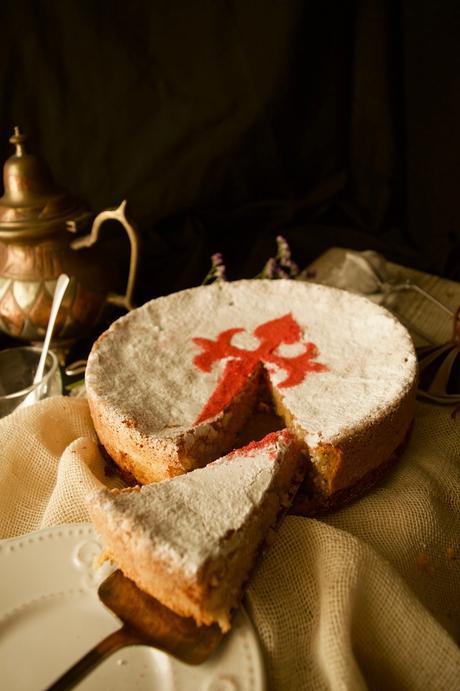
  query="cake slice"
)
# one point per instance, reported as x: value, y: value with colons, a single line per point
x: 192, y: 541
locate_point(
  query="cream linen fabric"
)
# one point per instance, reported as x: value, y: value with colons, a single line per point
x: 367, y: 598
x: 49, y: 461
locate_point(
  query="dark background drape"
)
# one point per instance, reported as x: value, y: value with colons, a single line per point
x: 227, y: 122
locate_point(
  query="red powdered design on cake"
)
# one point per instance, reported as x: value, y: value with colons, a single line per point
x: 243, y: 363
x: 270, y: 438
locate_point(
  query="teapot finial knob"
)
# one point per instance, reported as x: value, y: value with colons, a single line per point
x: 18, y: 140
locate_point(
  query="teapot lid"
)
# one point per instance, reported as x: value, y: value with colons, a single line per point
x: 32, y: 204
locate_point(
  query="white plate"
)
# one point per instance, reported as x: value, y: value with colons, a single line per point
x: 50, y: 616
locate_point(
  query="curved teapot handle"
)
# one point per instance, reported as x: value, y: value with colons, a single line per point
x: 118, y: 214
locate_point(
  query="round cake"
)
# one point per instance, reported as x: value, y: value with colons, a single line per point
x: 171, y: 384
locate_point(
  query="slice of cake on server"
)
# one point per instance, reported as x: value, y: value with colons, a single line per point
x: 192, y: 541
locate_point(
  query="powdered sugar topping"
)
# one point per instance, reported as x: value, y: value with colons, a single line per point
x: 190, y: 518
x: 144, y: 369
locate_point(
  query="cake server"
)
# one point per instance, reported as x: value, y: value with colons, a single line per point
x: 145, y: 622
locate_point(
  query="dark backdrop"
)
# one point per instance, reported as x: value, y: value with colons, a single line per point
x: 226, y: 122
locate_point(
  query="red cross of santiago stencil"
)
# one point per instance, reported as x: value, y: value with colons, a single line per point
x: 242, y: 363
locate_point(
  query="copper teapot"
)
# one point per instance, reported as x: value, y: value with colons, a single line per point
x: 42, y: 233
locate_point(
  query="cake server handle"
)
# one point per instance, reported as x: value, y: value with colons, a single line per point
x: 113, y: 642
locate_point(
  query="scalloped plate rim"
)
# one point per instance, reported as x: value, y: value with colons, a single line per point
x: 236, y: 666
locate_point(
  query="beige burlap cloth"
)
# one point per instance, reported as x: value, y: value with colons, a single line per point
x: 366, y: 598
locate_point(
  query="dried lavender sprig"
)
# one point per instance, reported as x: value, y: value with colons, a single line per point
x: 272, y: 270
x: 281, y: 266
x: 219, y: 266
x: 269, y: 270
x: 217, y: 270
x: 284, y: 251
x: 284, y: 257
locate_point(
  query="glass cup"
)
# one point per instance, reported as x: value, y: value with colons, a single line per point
x: 17, y: 372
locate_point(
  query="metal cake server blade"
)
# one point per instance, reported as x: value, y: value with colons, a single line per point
x: 145, y: 622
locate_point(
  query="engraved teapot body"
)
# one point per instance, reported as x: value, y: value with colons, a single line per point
x: 44, y: 232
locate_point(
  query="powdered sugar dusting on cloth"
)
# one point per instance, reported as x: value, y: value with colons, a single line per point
x: 143, y: 368
x: 187, y: 519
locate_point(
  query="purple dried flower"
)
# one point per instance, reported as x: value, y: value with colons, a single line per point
x: 217, y: 259
x: 281, y: 266
x: 269, y: 270
x: 217, y: 270
x: 284, y: 252
x: 284, y: 258
x: 273, y: 270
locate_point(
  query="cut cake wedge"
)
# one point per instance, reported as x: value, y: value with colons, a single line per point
x: 192, y: 541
